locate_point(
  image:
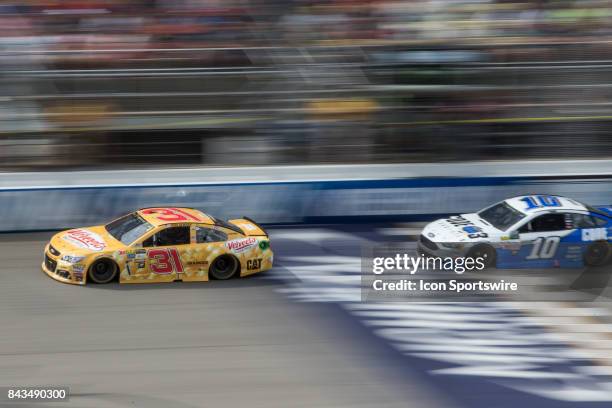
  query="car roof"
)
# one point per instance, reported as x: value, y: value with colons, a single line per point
x: 565, y: 204
x: 174, y: 215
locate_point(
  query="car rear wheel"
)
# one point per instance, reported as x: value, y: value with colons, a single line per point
x: 103, y: 271
x: 224, y: 267
x: 597, y: 253
x: 486, y: 252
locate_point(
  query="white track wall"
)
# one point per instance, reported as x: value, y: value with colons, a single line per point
x: 296, y: 194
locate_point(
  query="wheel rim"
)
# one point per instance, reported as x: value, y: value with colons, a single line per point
x: 103, y: 272
x: 485, y: 254
x: 224, y: 268
x: 596, y: 254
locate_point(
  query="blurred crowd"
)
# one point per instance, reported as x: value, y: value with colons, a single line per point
x: 95, y: 24
x: 97, y: 83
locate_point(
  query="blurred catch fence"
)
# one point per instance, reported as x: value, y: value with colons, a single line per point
x: 379, y: 103
x: 294, y: 194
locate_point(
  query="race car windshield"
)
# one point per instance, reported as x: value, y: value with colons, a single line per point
x: 502, y: 216
x: 128, y: 228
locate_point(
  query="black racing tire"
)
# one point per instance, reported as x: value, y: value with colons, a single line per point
x: 487, y: 252
x: 597, y: 253
x: 103, y: 271
x: 224, y: 267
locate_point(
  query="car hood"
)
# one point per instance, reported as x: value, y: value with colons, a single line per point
x: 458, y: 229
x: 84, y: 241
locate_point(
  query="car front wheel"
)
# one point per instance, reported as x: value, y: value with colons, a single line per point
x: 486, y: 252
x: 103, y: 271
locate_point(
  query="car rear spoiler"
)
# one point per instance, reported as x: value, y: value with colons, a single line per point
x: 256, y: 224
x: 249, y: 227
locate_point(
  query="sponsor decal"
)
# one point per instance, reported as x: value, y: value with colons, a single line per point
x: 197, y: 263
x: 471, y: 229
x: 263, y: 245
x: 78, y: 268
x: 458, y: 221
x: 253, y: 264
x: 249, y: 227
x: 240, y: 245
x: 511, y: 246
x: 85, y: 239
x: 594, y: 234
x: 467, y: 226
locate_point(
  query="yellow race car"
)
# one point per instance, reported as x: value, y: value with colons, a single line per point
x: 159, y: 245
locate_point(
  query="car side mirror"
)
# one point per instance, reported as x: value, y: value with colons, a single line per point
x: 514, y: 235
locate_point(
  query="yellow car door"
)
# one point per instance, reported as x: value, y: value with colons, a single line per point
x: 166, y: 252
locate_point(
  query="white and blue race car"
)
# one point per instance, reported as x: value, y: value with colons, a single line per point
x: 535, y: 231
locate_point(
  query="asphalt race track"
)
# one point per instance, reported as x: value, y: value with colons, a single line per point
x: 296, y: 336
x: 216, y: 344
x: 503, y: 354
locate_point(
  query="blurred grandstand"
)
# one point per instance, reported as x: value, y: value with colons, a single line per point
x: 93, y: 83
